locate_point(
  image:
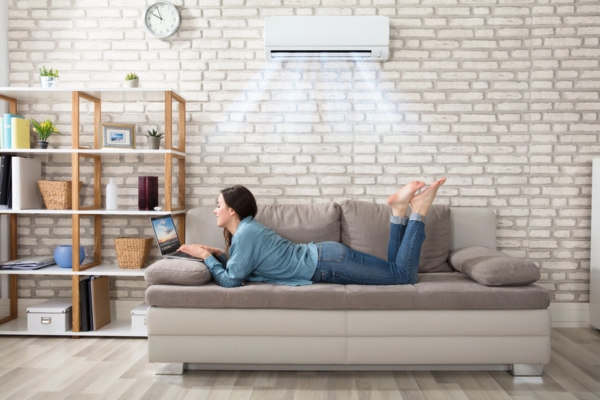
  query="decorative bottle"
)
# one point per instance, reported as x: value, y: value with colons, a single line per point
x: 111, y: 195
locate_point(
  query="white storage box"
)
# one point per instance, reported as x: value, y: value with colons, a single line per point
x: 138, y: 318
x: 53, y: 315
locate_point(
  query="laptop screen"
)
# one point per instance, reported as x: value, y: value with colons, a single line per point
x: 166, y: 234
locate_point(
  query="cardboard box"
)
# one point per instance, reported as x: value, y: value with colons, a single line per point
x: 52, y: 315
x: 138, y: 318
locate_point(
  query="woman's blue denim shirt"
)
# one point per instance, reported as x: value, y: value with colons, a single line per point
x: 258, y: 254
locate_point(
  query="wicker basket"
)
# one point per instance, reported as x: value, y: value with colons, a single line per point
x: 57, y: 194
x: 132, y: 252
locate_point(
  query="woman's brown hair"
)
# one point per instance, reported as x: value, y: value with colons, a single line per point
x: 242, y: 201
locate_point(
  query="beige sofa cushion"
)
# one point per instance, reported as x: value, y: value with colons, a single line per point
x: 494, y: 268
x: 366, y: 228
x: 177, y: 272
x: 303, y: 223
x: 443, y: 291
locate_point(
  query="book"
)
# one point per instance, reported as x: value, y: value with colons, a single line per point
x: 84, y: 304
x: 20, y: 131
x: 25, y: 174
x: 7, y: 142
x: 9, y: 201
x: 100, y: 300
x: 89, y: 310
x: 5, y: 160
x: 147, y: 192
x: 28, y: 263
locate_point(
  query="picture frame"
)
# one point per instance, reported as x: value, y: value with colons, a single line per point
x: 117, y: 136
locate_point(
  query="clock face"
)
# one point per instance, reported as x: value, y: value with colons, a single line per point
x: 162, y: 19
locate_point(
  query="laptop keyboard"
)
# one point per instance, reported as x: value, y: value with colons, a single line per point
x: 181, y: 254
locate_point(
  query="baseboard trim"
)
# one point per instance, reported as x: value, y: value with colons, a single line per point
x: 570, y: 315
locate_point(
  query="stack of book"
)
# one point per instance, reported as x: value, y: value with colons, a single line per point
x: 94, y: 302
x: 14, y: 132
x: 19, y: 189
x: 28, y: 263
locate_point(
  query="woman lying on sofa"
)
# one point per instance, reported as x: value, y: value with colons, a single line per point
x: 256, y: 253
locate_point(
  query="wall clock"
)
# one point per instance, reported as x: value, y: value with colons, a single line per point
x: 162, y: 19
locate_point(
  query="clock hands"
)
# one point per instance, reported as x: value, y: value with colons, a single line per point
x: 157, y: 9
x: 157, y: 16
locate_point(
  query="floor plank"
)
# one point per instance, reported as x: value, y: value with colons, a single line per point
x: 43, y: 368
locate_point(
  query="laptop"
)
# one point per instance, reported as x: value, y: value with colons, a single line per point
x: 167, y: 238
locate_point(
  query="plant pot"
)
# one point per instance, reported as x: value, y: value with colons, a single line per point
x: 42, y: 144
x: 63, y: 255
x: 132, y: 83
x: 49, y: 82
x: 154, y: 142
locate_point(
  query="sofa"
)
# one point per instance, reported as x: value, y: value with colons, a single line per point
x: 447, y: 320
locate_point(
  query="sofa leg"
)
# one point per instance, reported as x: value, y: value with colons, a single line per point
x: 527, y: 369
x: 168, y: 368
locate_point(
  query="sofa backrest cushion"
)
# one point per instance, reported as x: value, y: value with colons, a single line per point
x: 366, y: 228
x: 303, y: 223
x: 472, y: 226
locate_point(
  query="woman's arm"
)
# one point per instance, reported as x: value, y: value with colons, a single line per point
x: 232, y: 272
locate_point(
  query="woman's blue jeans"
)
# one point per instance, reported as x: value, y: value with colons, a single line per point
x: 342, y: 265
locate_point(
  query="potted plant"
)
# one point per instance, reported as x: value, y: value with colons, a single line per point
x: 49, y: 78
x: 154, y: 139
x: 44, y: 130
x: 132, y: 79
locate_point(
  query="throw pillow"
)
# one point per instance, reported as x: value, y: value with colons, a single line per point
x: 494, y: 268
x: 177, y: 272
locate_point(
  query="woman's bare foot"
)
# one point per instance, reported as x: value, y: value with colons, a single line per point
x: 399, y: 201
x: 420, y: 203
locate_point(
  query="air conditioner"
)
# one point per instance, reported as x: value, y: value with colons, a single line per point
x: 360, y: 38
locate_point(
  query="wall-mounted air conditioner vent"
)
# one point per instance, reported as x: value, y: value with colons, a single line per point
x: 327, y: 38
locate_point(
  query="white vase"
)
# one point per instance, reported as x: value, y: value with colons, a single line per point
x: 48, y: 82
x: 132, y: 83
x: 111, y: 195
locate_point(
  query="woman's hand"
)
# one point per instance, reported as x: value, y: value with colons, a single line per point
x: 212, y: 250
x: 196, y: 250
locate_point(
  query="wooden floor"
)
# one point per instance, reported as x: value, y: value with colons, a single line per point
x: 54, y: 368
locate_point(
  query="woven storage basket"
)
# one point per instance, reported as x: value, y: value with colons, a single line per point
x: 57, y: 194
x: 132, y: 252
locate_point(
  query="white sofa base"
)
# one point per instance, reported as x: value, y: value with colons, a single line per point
x: 516, y: 340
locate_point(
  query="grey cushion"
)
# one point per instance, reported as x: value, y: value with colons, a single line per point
x: 366, y: 228
x: 494, y: 268
x: 443, y: 291
x: 303, y: 223
x: 177, y: 272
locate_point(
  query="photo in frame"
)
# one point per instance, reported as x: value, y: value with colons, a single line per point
x: 118, y: 136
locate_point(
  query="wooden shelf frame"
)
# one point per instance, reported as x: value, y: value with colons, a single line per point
x: 172, y: 153
x: 13, y: 279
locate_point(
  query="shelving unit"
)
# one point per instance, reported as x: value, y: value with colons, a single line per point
x: 12, y: 324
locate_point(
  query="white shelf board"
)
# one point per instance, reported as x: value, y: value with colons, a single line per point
x: 91, y: 151
x: 102, y: 269
x: 106, y: 94
x: 118, y: 328
x: 129, y: 212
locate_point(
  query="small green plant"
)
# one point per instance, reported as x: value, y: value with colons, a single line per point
x: 154, y: 133
x: 131, y: 76
x: 51, y: 73
x: 44, y: 129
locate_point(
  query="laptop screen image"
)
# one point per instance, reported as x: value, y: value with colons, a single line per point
x: 166, y: 234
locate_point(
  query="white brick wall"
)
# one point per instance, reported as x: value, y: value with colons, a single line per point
x: 502, y: 98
